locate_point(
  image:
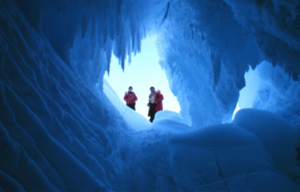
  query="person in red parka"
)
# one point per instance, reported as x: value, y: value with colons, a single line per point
x: 130, y: 98
x: 158, y: 100
x: 155, y: 103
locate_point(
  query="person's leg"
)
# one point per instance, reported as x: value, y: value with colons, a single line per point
x: 152, y: 118
x: 128, y: 105
x: 152, y: 112
x: 132, y: 106
x: 152, y: 115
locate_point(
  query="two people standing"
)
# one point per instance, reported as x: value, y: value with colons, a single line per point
x: 155, y: 101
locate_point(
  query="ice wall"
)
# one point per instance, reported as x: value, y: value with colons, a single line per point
x: 57, y: 132
x: 84, y: 33
x: 207, y: 47
x: 275, y: 26
x: 273, y: 90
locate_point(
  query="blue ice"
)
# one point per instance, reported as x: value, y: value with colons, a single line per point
x: 60, y: 132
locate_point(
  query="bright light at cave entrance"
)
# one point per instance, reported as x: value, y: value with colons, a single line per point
x: 143, y: 72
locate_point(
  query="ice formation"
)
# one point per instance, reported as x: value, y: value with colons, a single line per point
x: 60, y: 132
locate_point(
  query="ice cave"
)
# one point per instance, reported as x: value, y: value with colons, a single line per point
x: 60, y: 132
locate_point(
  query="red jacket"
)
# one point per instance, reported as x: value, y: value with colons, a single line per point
x: 130, y: 98
x: 158, y: 99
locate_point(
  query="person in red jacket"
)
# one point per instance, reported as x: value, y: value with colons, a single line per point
x: 155, y: 103
x: 130, y: 98
x: 158, y: 100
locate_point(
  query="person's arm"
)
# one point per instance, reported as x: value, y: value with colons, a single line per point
x: 125, y: 97
x: 135, y: 97
x: 148, y: 104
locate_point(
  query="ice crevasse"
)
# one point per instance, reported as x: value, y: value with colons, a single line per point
x: 59, y: 131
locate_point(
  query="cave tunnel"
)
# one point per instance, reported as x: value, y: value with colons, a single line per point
x: 60, y: 132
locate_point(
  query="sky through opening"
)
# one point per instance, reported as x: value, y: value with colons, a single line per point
x: 143, y: 72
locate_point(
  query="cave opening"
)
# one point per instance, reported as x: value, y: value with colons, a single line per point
x: 143, y: 72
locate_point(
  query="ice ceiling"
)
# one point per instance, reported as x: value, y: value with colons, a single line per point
x: 58, y: 134
x: 206, y: 46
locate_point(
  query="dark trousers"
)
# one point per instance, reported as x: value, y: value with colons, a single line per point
x: 152, y: 111
x: 132, y: 106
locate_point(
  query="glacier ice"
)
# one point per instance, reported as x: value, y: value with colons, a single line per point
x: 273, y: 90
x: 59, y: 132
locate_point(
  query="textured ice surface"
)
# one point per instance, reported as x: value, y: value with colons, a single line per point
x: 207, y: 47
x: 169, y: 115
x: 59, y: 131
x: 270, y: 88
x: 278, y: 136
x: 224, y: 157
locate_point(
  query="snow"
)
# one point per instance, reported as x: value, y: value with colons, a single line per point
x: 278, y: 136
x: 168, y: 115
x: 207, y: 159
x: 62, y: 127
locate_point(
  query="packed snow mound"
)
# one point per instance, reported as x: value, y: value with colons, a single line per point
x: 168, y: 115
x: 278, y: 136
x: 227, y: 157
x: 170, y: 121
x: 206, y: 159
